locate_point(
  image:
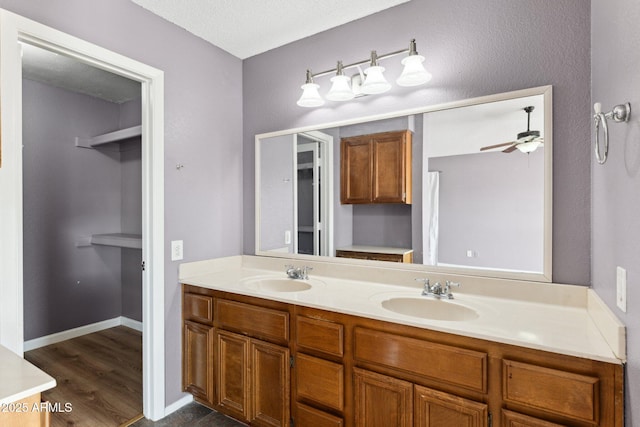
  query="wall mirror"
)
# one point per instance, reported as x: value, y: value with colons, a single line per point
x: 480, y: 179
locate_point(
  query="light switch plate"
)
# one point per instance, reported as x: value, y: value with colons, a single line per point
x: 621, y: 288
x: 177, y: 250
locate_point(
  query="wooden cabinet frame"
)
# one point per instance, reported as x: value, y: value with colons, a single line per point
x: 376, y: 168
x: 468, y: 379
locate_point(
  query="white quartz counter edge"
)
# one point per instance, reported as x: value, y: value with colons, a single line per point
x: 565, y: 330
x: 19, y: 378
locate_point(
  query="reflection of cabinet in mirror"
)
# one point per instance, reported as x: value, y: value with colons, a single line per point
x: 376, y: 253
x: 376, y: 168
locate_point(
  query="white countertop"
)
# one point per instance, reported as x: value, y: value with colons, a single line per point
x: 19, y: 378
x: 562, y: 323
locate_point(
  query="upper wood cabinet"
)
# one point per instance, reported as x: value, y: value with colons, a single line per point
x: 376, y: 168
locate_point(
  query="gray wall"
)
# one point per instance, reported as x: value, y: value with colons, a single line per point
x: 492, y: 204
x: 276, y: 193
x: 616, y: 184
x: 472, y: 48
x: 203, y: 131
x: 69, y: 193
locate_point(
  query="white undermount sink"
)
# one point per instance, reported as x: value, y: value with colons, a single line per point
x: 428, y: 308
x: 280, y: 284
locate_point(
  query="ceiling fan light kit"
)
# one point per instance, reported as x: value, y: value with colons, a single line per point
x: 369, y: 82
x: 526, y: 142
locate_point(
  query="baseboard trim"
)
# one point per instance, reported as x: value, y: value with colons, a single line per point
x: 80, y: 331
x: 185, y: 400
x: 130, y: 323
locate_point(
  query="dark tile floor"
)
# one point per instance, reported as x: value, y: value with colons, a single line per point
x: 192, y: 415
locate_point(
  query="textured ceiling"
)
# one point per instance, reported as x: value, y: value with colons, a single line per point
x: 67, y: 73
x: 241, y: 27
x: 248, y: 27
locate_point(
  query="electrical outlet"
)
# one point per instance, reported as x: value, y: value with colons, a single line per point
x: 621, y: 288
x: 177, y: 250
x: 287, y: 237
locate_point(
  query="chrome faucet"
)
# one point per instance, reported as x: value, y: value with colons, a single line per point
x: 437, y: 290
x: 298, y: 272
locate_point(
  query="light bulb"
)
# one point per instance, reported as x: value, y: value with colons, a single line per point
x: 413, y: 73
x: 374, y: 81
x: 528, y: 147
x: 340, y: 90
x: 310, y: 96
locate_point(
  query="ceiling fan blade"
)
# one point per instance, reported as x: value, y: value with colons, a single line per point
x: 489, y: 147
x: 510, y: 149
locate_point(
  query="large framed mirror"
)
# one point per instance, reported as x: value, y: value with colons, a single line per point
x: 479, y: 181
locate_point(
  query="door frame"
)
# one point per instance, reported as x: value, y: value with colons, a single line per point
x: 325, y: 195
x: 13, y: 29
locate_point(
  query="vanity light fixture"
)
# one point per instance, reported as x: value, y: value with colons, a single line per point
x: 374, y: 82
x: 310, y: 95
x: 340, y: 89
x: 413, y: 73
x: 371, y: 82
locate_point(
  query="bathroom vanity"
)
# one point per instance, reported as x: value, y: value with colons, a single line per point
x: 355, y: 344
x: 20, y: 391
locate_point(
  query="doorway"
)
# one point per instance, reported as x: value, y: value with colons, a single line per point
x: 14, y: 30
x: 313, y: 198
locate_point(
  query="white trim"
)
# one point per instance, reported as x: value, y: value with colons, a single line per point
x: 132, y: 324
x: 183, y: 401
x: 80, y: 331
x: 14, y: 28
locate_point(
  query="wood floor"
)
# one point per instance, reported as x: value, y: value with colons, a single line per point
x: 99, y: 374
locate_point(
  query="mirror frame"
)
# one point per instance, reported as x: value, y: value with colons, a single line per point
x: 544, y: 276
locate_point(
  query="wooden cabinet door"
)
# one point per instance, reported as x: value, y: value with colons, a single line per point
x: 437, y: 409
x: 198, y: 362
x: 233, y: 374
x: 514, y: 419
x: 270, y: 384
x: 356, y: 155
x: 392, y: 168
x: 376, y: 168
x: 382, y: 401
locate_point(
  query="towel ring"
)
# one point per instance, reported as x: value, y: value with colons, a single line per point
x: 620, y: 113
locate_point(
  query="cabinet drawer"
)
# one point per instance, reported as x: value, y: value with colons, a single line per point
x: 260, y: 322
x: 198, y: 308
x: 320, y: 381
x: 308, y: 416
x: 452, y: 365
x: 320, y: 335
x: 560, y: 392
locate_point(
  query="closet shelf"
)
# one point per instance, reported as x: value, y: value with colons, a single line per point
x: 121, y: 240
x: 116, y: 136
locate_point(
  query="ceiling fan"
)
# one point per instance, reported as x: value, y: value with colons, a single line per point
x: 526, y: 142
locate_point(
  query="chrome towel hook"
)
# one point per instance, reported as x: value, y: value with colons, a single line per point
x: 620, y: 113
